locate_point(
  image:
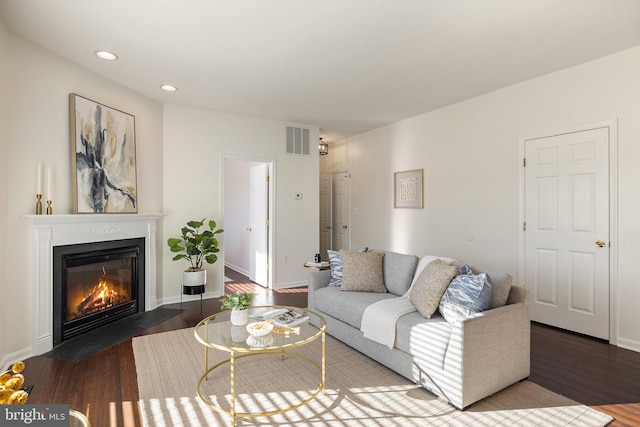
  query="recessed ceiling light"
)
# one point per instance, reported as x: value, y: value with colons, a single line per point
x: 103, y: 54
x: 169, y: 88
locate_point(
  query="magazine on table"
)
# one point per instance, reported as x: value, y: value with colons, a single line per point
x: 280, y: 316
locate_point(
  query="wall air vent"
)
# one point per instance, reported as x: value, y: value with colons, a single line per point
x: 297, y: 141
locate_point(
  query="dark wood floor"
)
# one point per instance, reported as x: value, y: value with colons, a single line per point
x: 105, y: 388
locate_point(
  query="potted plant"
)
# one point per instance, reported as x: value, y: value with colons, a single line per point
x: 196, y: 247
x: 238, y: 303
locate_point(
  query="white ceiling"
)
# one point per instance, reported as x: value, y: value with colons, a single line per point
x: 346, y: 66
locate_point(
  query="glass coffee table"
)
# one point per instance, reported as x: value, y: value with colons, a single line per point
x: 216, y: 332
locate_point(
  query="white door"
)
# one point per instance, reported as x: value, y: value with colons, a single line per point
x: 258, y: 227
x: 325, y: 215
x: 340, y: 211
x: 567, y: 230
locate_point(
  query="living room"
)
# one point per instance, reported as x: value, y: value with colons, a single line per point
x: 470, y: 150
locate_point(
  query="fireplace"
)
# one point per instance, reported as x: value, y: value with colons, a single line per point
x: 95, y: 284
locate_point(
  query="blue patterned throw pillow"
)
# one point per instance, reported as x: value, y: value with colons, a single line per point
x: 465, y: 270
x: 335, y: 260
x: 466, y: 294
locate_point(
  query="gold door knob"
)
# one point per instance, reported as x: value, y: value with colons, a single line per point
x: 249, y: 229
x: 600, y: 243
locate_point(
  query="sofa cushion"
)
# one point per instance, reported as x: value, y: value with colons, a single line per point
x: 466, y: 294
x: 398, y: 271
x: 362, y: 271
x: 500, y: 288
x: 424, y: 338
x: 427, y: 290
x: 344, y: 305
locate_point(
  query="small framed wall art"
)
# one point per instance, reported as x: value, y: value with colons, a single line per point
x: 103, y: 158
x: 408, y: 189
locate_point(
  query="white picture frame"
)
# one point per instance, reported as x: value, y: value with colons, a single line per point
x: 408, y: 189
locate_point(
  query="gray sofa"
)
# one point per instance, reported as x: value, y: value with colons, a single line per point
x: 462, y: 361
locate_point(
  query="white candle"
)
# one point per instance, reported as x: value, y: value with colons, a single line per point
x: 39, y: 182
x: 49, y: 184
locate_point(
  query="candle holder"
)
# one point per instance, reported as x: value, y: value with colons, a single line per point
x: 49, y: 209
x: 39, y: 204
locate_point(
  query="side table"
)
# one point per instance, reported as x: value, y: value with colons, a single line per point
x: 323, y: 265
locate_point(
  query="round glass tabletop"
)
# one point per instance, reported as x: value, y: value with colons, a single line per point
x: 216, y: 331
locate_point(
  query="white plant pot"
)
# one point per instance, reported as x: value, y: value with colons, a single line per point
x: 239, y: 317
x: 194, y: 278
x: 193, y: 282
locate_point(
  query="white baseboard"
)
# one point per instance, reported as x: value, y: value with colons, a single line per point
x: 237, y: 269
x: 187, y: 298
x: 629, y: 344
x: 289, y: 285
x: 10, y: 359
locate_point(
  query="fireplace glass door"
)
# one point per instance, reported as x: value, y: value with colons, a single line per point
x: 98, y: 286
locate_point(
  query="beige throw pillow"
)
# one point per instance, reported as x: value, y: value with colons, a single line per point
x: 430, y: 285
x: 362, y: 271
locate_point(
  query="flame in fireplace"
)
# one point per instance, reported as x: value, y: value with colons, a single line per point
x: 102, y: 296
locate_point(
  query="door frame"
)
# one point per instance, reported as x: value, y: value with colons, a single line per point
x: 612, y: 126
x: 271, y: 166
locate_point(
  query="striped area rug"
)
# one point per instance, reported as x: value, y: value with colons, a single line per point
x: 359, y: 392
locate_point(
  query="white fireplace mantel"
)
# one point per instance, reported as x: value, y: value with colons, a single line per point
x: 58, y: 230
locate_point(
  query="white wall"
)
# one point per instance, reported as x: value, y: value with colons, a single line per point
x: 471, y: 157
x: 4, y: 165
x: 36, y: 102
x: 195, y: 142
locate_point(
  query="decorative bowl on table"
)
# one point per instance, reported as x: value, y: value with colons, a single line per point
x: 258, y: 329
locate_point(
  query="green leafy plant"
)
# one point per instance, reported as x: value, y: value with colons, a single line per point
x: 196, y: 246
x: 238, y: 300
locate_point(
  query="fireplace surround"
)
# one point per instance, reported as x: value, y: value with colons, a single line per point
x: 52, y: 231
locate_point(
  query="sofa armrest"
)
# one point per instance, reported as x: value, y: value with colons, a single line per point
x: 491, y: 350
x: 317, y: 280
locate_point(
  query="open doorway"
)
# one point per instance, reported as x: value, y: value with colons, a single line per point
x: 248, y: 213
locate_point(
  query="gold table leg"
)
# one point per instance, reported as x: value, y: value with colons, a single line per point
x: 206, y: 352
x: 322, y: 382
x: 206, y: 361
x: 232, y: 368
